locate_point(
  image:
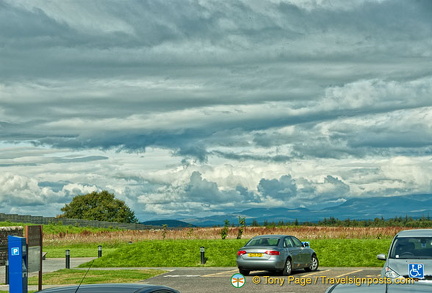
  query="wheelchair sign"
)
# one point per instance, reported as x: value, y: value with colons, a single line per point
x: 416, y: 270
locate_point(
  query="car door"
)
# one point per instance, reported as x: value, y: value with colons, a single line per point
x: 304, y: 254
x: 295, y: 252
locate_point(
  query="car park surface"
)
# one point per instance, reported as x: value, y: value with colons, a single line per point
x: 111, y: 288
x: 276, y: 253
x: 218, y: 279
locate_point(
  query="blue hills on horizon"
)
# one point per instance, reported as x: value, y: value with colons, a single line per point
x: 366, y: 208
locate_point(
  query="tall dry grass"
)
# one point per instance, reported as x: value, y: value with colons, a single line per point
x: 301, y: 232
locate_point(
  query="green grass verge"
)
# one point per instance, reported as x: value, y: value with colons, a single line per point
x: 78, y: 250
x: 171, y: 253
x: 350, y: 252
x: 75, y: 276
x: 222, y: 253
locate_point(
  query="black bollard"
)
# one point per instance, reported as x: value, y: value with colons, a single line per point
x: 67, y: 258
x: 100, y: 251
x: 202, y: 251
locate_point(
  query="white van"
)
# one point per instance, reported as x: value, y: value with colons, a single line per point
x: 409, y: 256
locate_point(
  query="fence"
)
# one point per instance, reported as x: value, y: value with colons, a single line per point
x: 15, y: 218
x: 4, y: 232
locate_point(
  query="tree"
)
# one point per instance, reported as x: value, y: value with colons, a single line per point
x: 255, y: 223
x: 225, y: 229
x: 100, y: 206
x: 242, y: 226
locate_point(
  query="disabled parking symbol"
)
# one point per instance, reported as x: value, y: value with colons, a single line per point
x: 416, y: 270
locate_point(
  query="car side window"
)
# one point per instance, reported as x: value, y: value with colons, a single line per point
x: 288, y: 243
x: 297, y: 243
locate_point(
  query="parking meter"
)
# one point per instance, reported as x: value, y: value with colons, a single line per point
x: 17, y: 257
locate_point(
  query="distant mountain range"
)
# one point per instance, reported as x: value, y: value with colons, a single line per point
x: 169, y: 223
x: 415, y: 206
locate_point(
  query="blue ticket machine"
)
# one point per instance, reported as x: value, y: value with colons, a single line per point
x: 17, y: 257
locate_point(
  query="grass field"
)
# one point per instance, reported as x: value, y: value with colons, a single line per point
x: 74, y: 276
x: 69, y: 235
x: 220, y: 253
x: 335, y: 246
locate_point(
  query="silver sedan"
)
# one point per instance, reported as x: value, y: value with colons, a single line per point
x: 276, y: 253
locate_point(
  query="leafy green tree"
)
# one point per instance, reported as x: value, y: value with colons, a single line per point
x: 100, y: 206
x: 242, y: 226
x: 225, y: 229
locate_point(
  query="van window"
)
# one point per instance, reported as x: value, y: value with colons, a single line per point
x: 411, y: 247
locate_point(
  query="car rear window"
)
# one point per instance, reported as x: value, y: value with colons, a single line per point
x: 263, y: 242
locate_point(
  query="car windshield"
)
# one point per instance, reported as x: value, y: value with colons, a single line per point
x: 263, y: 241
x: 412, y: 247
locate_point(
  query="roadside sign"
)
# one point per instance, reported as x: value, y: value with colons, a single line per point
x: 34, y: 242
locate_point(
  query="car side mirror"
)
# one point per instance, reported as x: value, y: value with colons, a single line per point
x: 381, y: 256
x: 306, y: 244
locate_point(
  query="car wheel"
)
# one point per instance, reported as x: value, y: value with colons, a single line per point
x: 287, y: 270
x: 314, y: 264
x: 244, y: 272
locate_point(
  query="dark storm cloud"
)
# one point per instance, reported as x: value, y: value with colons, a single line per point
x: 231, y: 33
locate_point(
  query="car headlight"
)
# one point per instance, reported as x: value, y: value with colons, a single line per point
x: 389, y: 273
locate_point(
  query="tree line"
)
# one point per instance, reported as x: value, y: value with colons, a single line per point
x: 422, y: 222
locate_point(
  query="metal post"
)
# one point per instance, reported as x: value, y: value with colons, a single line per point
x: 100, y: 251
x: 67, y: 258
x: 202, y: 251
x: 7, y: 273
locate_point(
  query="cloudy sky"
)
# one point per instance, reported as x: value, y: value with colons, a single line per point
x: 193, y: 108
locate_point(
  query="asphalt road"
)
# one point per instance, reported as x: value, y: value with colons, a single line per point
x: 209, y: 280
x: 219, y: 279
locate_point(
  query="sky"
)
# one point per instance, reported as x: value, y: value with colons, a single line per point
x: 194, y: 108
